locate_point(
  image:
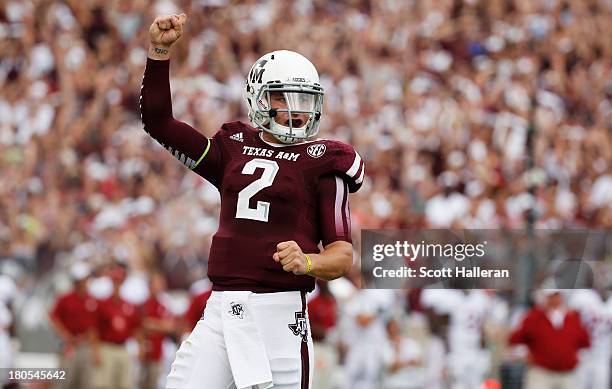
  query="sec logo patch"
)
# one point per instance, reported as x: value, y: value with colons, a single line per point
x: 316, y: 150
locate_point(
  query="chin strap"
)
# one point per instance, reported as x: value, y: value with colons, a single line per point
x: 286, y: 139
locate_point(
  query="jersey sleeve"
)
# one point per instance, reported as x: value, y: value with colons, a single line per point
x: 348, y: 165
x: 334, y: 213
x: 192, y: 148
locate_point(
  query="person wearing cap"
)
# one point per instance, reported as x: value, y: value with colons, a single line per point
x: 116, y: 321
x: 157, y: 323
x: 73, y: 318
x: 553, y: 334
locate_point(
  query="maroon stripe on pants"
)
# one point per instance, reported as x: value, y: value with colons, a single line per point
x: 304, y: 351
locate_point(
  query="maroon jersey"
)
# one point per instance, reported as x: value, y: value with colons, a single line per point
x: 269, y: 193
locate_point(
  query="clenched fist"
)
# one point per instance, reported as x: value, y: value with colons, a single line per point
x: 290, y: 255
x: 167, y: 29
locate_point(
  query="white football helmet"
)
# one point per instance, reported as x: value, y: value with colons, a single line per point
x: 297, y: 78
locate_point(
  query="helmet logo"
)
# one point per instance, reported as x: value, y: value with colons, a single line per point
x: 316, y: 150
x: 299, y: 79
x: 257, y: 74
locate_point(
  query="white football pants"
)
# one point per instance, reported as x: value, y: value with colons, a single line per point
x: 202, y: 360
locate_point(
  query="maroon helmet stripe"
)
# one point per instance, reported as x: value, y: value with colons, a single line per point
x: 304, y: 351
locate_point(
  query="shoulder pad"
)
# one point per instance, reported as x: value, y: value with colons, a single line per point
x: 235, y: 126
x: 347, y: 164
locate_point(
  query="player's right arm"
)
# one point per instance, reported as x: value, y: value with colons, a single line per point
x: 188, y: 145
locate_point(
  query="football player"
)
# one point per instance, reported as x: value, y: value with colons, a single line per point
x: 594, y: 367
x: 468, y: 361
x: 283, y: 191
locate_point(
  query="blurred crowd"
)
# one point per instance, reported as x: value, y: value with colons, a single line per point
x: 468, y: 113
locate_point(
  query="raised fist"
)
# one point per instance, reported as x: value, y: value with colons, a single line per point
x: 290, y: 256
x: 166, y: 29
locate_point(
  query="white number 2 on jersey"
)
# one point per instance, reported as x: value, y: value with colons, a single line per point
x: 262, y: 210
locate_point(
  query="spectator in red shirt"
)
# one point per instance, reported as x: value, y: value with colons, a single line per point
x: 553, y: 334
x: 73, y: 318
x: 116, y: 322
x: 157, y: 323
x: 322, y: 311
x: 195, y: 310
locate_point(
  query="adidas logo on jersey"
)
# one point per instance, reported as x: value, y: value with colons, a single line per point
x: 237, y: 137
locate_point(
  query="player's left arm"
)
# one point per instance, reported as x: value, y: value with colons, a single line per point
x: 333, y: 262
x: 336, y: 258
